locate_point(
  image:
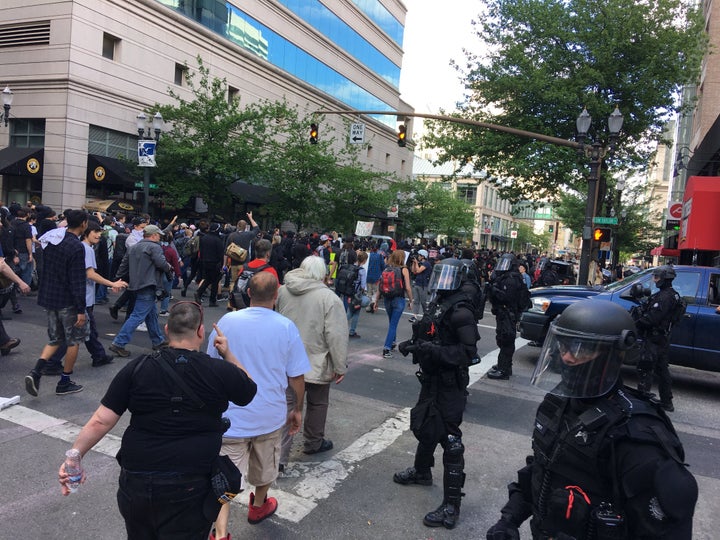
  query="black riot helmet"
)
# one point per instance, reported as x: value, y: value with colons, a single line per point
x: 447, y: 275
x: 506, y: 263
x: 665, y: 275
x: 584, y: 349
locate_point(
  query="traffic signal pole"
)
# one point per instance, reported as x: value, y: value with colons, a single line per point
x: 595, y: 151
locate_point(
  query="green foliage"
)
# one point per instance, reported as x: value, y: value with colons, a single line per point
x: 545, y: 60
x: 210, y: 143
x: 428, y: 207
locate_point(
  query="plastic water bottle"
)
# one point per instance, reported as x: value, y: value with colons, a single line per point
x: 73, y: 469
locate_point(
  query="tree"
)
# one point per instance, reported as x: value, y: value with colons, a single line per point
x: 428, y: 207
x: 545, y: 59
x: 635, y: 228
x: 210, y: 141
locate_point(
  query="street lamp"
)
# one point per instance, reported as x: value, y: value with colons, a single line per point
x: 595, y: 151
x: 145, y: 133
x: 7, y: 97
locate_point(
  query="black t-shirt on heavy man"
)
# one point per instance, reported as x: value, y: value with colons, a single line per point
x: 185, y: 442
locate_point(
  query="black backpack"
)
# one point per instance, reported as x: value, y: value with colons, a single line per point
x: 241, y: 298
x: 347, y: 280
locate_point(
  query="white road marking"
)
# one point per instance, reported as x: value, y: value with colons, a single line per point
x: 319, y: 479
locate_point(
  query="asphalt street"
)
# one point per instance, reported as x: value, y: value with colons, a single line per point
x: 345, y: 493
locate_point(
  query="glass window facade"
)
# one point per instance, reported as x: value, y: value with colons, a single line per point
x: 331, y: 26
x: 238, y: 27
x: 114, y: 144
x: 379, y: 14
x: 27, y: 133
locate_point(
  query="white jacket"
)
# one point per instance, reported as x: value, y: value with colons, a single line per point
x: 321, y: 318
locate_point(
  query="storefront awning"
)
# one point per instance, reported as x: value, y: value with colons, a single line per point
x: 250, y: 193
x: 111, y: 206
x: 21, y: 161
x: 661, y: 251
x: 102, y: 169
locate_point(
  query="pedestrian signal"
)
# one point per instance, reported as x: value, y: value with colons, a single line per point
x: 313, y: 133
x: 402, y: 134
x: 601, y: 234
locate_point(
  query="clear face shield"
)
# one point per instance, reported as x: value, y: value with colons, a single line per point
x: 444, y: 277
x: 579, y: 364
x: 504, y: 264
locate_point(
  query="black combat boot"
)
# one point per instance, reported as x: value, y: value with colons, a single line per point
x: 445, y: 515
x: 413, y: 476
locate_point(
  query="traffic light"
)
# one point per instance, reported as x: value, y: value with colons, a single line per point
x: 313, y: 133
x: 601, y: 234
x: 551, y: 228
x: 402, y: 134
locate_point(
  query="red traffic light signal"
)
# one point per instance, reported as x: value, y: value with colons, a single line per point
x: 601, y: 234
x: 313, y: 133
x: 402, y: 134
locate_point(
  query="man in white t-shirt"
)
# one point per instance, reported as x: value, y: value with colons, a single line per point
x: 274, y: 356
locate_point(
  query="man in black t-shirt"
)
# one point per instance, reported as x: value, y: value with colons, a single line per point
x: 165, y: 450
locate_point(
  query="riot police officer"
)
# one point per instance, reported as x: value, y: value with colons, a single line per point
x: 444, y: 344
x: 606, y: 461
x: 654, y: 319
x: 506, y: 293
x: 547, y: 276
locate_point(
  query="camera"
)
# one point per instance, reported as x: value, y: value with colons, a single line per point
x: 161, y: 294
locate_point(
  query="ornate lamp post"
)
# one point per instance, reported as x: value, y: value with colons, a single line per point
x: 145, y: 133
x: 7, y: 98
x: 595, y: 151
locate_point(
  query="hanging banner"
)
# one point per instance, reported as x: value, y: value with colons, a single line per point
x: 146, y: 153
x: 364, y: 228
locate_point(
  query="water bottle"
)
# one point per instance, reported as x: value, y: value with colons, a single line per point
x: 73, y: 469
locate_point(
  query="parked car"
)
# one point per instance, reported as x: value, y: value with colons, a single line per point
x: 694, y: 341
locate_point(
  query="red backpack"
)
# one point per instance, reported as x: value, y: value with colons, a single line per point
x: 391, y: 282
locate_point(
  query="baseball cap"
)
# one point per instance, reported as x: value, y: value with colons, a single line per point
x: 138, y: 221
x: 423, y: 253
x: 151, y: 229
x: 324, y: 237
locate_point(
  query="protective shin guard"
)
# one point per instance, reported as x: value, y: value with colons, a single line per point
x: 454, y: 476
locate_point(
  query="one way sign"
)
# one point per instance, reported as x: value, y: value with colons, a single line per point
x: 357, y: 133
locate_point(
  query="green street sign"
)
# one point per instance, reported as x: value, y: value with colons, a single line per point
x: 605, y: 220
x: 140, y: 184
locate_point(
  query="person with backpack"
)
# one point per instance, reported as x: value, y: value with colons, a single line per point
x: 394, y: 284
x: 239, y: 299
x: 350, y: 286
x: 376, y: 264
x: 654, y: 321
x: 509, y: 296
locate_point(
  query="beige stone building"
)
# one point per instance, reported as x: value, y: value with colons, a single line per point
x: 81, y: 70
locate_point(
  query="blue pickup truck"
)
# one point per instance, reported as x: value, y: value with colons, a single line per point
x: 694, y: 341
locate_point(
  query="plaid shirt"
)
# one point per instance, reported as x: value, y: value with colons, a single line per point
x: 62, y: 281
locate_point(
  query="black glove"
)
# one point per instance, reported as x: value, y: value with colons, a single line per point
x: 503, y: 530
x: 406, y: 347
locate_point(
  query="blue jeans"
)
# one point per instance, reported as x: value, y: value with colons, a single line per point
x: 167, y: 286
x: 353, y: 315
x: 25, y: 268
x: 394, y: 308
x: 145, y: 310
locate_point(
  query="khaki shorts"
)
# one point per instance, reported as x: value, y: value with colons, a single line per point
x: 257, y: 458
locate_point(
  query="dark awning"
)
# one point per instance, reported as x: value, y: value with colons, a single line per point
x: 250, y: 193
x: 21, y: 161
x: 108, y: 170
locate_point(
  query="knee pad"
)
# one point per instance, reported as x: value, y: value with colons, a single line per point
x: 453, y: 452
